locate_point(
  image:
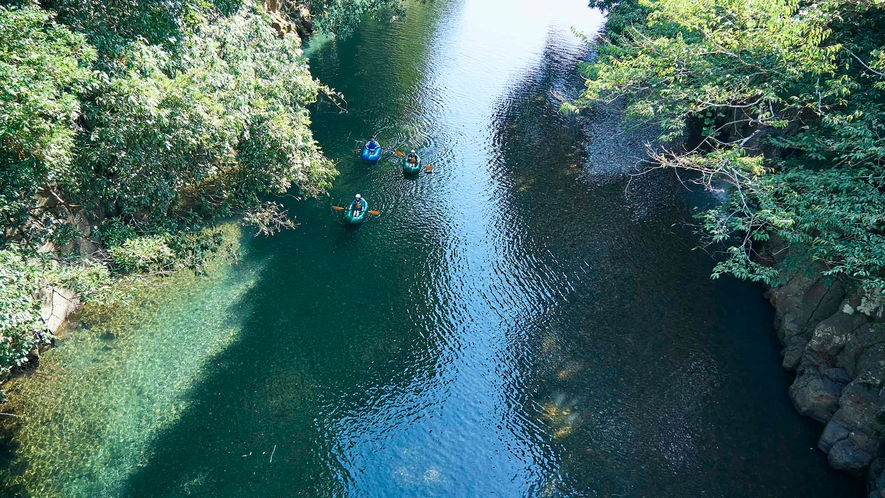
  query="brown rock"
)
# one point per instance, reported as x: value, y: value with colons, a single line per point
x: 832, y: 434
x: 861, y: 408
x: 815, y: 396
x: 870, y: 368
x: 851, y: 455
x: 789, y: 297
x: 793, y: 352
x: 861, y: 339
x: 57, y: 305
x: 823, y: 300
x: 832, y: 334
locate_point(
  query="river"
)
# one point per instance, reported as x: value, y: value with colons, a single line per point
x: 526, y: 320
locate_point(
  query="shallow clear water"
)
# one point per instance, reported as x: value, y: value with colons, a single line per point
x: 527, y: 320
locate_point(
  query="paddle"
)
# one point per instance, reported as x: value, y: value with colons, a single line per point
x: 398, y: 153
x: 371, y: 211
x: 428, y: 168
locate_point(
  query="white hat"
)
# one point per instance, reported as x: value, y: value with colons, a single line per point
x: 358, y: 196
x: 413, y: 151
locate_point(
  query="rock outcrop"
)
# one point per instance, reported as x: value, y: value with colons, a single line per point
x: 58, y: 305
x: 290, y: 18
x: 838, y: 354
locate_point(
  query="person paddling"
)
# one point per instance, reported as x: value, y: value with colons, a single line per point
x: 372, y: 145
x: 413, y: 157
x: 357, y: 205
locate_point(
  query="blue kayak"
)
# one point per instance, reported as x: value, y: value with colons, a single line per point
x: 371, y: 156
x: 359, y: 217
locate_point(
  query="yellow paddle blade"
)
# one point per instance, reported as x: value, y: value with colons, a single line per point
x: 428, y: 168
x: 398, y: 153
x: 355, y: 150
x: 338, y: 208
x: 375, y: 213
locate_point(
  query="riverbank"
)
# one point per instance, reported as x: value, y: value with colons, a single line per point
x: 118, y: 373
x: 799, y: 193
x: 834, y: 340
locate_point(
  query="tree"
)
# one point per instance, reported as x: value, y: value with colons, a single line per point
x: 208, y: 132
x: 43, y: 69
x: 342, y: 16
x: 788, y: 97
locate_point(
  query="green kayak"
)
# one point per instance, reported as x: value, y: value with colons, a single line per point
x: 359, y: 217
x: 411, y: 168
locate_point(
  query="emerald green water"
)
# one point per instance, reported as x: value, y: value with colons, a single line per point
x: 524, y: 321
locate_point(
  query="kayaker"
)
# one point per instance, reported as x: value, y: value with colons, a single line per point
x: 413, y: 157
x: 372, y: 145
x: 357, y: 205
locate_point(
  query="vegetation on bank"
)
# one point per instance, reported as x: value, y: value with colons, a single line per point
x: 128, y: 128
x: 790, y: 100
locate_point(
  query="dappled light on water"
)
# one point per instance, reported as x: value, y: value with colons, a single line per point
x: 118, y: 376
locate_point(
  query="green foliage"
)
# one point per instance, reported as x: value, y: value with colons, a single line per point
x: 21, y: 326
x: 757, y: 59
x: 788, y: 97
x: 342, y: 16
x: 620, y: 15
x: 25, y: 277
x: 112, y: 24
x: 209, y: 131
x: 143, y: 255
x: 43, y: 68
x: 834, y: 215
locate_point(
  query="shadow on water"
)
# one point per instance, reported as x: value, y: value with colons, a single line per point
x: 650, y: 377
x: 307, y: 359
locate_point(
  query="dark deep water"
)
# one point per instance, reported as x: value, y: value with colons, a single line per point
x: 520, y: 322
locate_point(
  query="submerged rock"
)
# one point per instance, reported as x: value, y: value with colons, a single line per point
x: 876, y: 479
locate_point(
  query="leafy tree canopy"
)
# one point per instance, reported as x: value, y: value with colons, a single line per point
x: 43, y: 68
x: 788, y: 96
x: 342, y: 16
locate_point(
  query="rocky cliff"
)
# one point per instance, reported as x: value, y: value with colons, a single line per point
x: 834, y: 339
